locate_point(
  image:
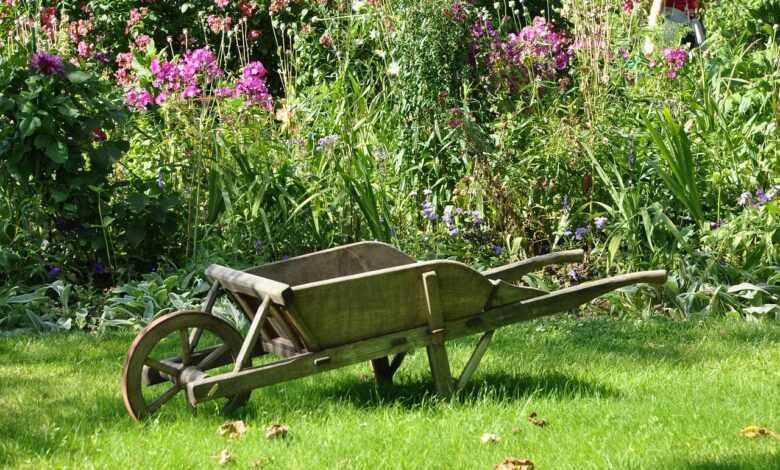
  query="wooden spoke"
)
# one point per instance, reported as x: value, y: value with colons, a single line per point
x: 195, y: 338
x: 185, y: 347
x: 162, y: 399
x: 161, y: 366
x: 212, y: 357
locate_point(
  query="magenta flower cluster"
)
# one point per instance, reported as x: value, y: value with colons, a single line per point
x: 540, y: 47
x: 675, y: 60
x: 191, y: 75
x: 536, y: 51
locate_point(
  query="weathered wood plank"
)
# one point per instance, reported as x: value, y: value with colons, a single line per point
x: 341, y: 261
x: 249, y: 284
x: 352, y: 308
x: 514, y: 271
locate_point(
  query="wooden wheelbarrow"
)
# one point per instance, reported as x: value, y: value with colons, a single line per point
x: 361, y: 302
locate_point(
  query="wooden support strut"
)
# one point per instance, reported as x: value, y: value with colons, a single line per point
x: 248, y: 346
x: 473, y: 362
x: 437, y: 352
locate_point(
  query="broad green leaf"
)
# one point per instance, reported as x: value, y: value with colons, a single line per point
x: 29, y: 125
x: 57, y: 151
x: 77, y: 76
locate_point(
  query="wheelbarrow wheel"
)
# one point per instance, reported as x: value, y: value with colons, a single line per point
x: 173, y: 350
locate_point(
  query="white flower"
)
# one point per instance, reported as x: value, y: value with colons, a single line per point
x: 380, y: 53
x: 394, y: 69
x: 358, y: 5
x: 496, y: 5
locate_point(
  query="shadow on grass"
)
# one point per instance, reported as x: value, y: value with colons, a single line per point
x: 764, y: 461
x: 493, y: 386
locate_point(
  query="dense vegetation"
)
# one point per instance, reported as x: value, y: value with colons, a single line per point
x: 140, y: 142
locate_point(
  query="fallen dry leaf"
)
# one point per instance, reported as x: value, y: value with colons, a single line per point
x: 275, y: 431
x: 260, y: 463
x: 343, y: 462
x: 756, y: 431
x: 511, y: 463
x: 489, y: 437
x: 224, y: 457
x: 233, y: 429
x: 534, y: 419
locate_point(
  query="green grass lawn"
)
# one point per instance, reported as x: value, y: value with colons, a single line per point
x: 616, y: 394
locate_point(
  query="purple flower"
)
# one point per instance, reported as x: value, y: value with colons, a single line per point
x: 455, y: 122
x: 631, y: 158
x: 761, y: 197
x: 497, y: 249
x: 716, y: 224
x: 427, y: 192
x: 327, y: 141
x: 428, y: 211
x: 476, y: 218
x: 138, y: 98
x: 675, y: 59
x: 574, y: 275
x: 47, y: 64
x: 252, y: 85
x: 744, y: 198
x: 100, y: 268
x: 54, y: 271
x: 452, y: 230
x: 161, y: 98
x: 190, y: 91
x: 565, y: 205
x: 600, y: 222
x: 580, y: 233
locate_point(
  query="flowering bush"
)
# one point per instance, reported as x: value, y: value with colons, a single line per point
x: 59, y: 140
x: 192, y: 75
x: 512, y: 59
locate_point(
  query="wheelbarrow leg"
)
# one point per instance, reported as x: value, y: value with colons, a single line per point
x: 437, y: 352
x: 384, y: 368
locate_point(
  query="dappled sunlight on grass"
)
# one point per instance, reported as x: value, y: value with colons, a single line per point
x: 615, y: 394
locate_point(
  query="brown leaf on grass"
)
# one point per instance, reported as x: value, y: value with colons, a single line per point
x: 534, y: 419
x: 224, y: 457
x: 261, y: 462
x: 276, y: 431
x: 512, y: 463
x: 489, y: 438
x: 344, y: 463
x: 758, y: 431
x: 232, y: 429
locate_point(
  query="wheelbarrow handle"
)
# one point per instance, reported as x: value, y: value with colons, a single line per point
x: 514, y: 271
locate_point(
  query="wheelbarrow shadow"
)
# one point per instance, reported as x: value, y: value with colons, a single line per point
x: 499, y: 386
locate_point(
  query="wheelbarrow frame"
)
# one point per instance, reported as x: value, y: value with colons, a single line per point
x: 276, y: 328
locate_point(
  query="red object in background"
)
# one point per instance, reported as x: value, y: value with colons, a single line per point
x: 683, y: 5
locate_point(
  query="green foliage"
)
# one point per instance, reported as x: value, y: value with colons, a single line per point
x: 384, y: 127
x: 678, y: 172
